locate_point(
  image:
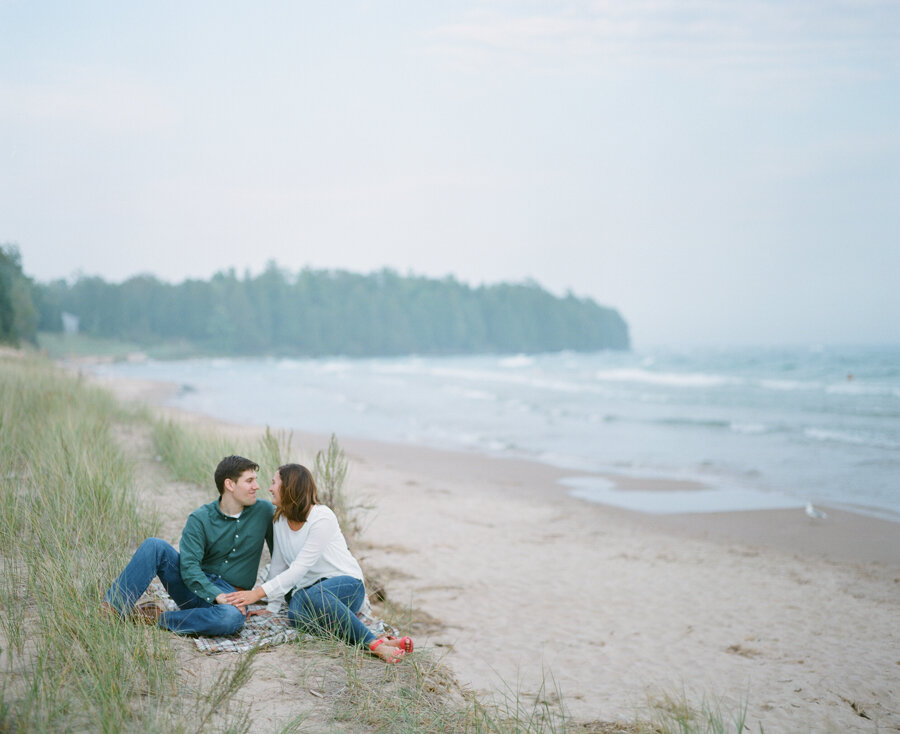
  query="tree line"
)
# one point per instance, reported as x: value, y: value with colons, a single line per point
x: 330, y: 312
x: 18, y: 315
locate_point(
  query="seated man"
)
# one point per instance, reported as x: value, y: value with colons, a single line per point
x: 220, y: 552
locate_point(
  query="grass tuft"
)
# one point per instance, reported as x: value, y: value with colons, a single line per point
x: 191, y: 454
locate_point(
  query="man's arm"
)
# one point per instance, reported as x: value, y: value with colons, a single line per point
x: 192, y: 550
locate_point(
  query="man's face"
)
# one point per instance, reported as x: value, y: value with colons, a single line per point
x: 244, y: 488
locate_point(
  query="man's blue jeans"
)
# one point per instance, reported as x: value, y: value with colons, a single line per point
x: 329, y: 607
x: 155, y: 557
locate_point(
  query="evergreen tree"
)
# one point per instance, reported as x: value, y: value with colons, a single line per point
x: 18, y: 316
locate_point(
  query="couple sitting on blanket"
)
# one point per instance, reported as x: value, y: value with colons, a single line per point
x: 212, y: 576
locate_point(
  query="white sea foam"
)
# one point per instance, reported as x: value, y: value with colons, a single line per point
x: 468, y: 393
x: 851, y: 388
x: 520, y: 360
x: 787, y: 385
x: 669, y: 379
x: 824, y: 434
x: 860, y: 439
x: 505, y: 377
x: 410, y: 366
x: 335, y: 366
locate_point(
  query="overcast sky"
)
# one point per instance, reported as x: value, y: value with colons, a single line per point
x: 720, y: 172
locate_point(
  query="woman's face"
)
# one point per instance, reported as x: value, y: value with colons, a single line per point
x: 275, y: 489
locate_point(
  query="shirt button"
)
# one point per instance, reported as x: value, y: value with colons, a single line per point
x: 226, y: 561
x: 237, y: 536
x: 233, y: 550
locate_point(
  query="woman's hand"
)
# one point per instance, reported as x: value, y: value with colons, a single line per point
x: 244, y: 598
x: 255, y: 612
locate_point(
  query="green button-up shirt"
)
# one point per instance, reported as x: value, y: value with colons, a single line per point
x: 230, y: 547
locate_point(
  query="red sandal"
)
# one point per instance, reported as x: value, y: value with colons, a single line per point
x: 395, y: 658
x: 404, y: 643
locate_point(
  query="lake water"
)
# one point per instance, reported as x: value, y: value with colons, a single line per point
x: 760, y: 427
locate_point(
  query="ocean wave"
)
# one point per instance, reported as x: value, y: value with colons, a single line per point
x: 334, y: 366
x: 468, y: 393
x: 789, y: 385
x: 851, y: 388
x: 505, y: 377
x: 698, y: 422
x: 520, y: 360
x: 669, y: 379
x: 410, y: 366
x: 749, y: 428
x: 603, y: 418
x: 859, y: 439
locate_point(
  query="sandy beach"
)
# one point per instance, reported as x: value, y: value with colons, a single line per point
x: 523, y: 585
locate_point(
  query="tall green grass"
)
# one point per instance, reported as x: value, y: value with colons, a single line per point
x: 192, y: 453
x: 69, y: 522
x: 68, y: 517
x: 675, y: 714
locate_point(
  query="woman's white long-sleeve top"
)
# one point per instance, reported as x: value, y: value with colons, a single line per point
x: 301, y: 557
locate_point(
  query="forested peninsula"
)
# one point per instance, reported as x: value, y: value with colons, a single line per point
x: 327, y: 312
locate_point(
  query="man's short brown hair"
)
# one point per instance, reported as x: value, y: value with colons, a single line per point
x: 231, y: 467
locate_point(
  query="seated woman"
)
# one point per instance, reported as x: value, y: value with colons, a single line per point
x: 313, y: 569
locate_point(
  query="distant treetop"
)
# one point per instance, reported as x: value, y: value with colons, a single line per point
x: 332, y: 312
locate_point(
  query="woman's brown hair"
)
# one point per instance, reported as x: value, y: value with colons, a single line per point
x: 298, y: 493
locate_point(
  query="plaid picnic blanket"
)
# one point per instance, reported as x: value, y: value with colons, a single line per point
x: 261, y: 630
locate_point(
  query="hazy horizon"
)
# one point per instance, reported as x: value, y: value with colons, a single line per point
x: 719, y: 174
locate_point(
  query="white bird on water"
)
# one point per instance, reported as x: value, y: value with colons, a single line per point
x: 814, y: 513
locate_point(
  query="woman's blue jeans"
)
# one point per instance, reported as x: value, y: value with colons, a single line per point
x: 329, y: 607
x: 155, y: 557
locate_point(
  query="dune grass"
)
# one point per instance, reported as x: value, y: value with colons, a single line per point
x: 69, y: 521
x: 675, y: 714
x: 68, y: 524
x: 192, y: 453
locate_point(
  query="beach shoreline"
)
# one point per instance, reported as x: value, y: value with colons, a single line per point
x: 844, y: 535
x: 527, y: 586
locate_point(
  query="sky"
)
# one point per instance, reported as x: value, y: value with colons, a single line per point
x: 722, y: 173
